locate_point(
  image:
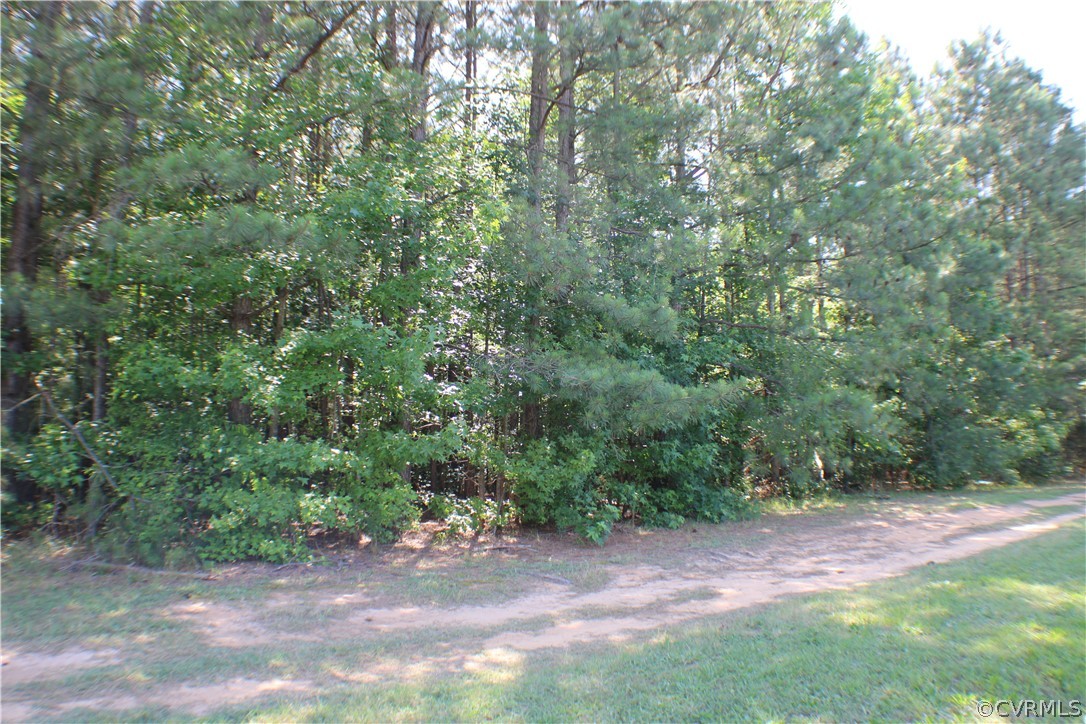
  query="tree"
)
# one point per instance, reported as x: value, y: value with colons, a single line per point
x: 274, y: 270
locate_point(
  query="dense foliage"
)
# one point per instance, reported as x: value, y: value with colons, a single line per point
x: 277, y: 270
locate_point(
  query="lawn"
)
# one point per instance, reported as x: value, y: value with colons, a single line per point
x: 1008, y: 624
x: 1005, y: 625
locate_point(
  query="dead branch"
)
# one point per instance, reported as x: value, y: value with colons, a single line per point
x: 90, y: 563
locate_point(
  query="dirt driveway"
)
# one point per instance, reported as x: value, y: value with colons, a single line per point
x: 681, y: 576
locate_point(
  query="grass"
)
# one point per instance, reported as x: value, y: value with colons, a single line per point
x: 470, y: 578
x: 1008, y: 624
x: 973, y: 496
x: 1005, y: 625
x: 488, y: 577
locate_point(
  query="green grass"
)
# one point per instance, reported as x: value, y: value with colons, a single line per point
x: 973, y: 496
x: 1005, y: 625
x: 1007, y: 495
x: 1008, y: 624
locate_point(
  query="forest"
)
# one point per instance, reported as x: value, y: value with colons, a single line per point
x: 280, y: 272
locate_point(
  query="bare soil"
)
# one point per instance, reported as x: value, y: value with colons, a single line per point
x: 679, y: 580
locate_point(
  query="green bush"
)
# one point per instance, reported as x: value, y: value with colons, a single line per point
x: 470, y: 515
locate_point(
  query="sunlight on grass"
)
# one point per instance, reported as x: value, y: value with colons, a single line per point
x: 1007, y: 624
x: 926, y: 645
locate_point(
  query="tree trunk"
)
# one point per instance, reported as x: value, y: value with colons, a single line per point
x: 390, y: 55
x: 470, y: 62
x: 117, y: 207
x: 241, y: 320
x: 567, y: 134
x: 26, y: 239
x: 537, y: 119
x: 422, y: 50
x: 281, y: 298
x: 101, y: 376
x: 537, y: 104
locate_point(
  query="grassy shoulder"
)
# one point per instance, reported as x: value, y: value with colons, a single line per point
x: 1008, y: 624
x: 39, y: 576
x: 972, y: 496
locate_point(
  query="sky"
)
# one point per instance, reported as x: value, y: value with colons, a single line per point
x: 1046, y: 34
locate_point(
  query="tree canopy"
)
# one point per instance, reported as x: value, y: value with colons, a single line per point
x: 274, y: 270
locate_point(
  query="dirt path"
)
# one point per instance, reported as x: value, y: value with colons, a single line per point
x: 793, y: 556
x: 645, y: 597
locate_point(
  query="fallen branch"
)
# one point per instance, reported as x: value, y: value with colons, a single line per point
x: 87, y: 563
x: 552, y: 579
x: 77, y: 435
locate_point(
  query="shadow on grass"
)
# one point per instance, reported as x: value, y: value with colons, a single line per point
x: 1008, y: 624
x: 1005, y: 625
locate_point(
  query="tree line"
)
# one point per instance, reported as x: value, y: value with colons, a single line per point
x: 274, y: 270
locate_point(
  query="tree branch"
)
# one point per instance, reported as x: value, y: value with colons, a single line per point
x: 315, y: 48
x: 76, y: 434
